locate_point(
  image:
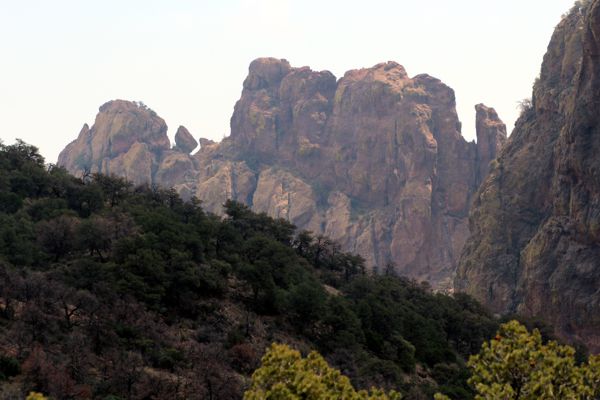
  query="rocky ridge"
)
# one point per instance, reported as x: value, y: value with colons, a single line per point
x: 535, y: 223
x: 374, y: 160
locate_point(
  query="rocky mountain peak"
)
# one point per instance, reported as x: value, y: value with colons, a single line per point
x: 280, y: 109
x: 124, y: 140
x: 390, y: 73
x: 375, y: 160
x: 120, y: 124
x: 266, y: 72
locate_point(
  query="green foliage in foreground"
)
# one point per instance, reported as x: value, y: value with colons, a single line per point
x: 284, y: 374
x: 516, y: 364
x: 36, y: 396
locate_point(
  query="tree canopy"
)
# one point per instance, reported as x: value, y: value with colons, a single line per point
x: 516, y: 364
x: 285, y: 374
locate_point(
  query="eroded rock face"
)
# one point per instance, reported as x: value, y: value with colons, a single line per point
x: 491, y: 136
x: 535, y: 223
x: 375, y: 160
x: 282, y: 113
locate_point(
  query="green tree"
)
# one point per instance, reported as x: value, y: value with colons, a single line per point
x: 285, y: 374
x: 307, y: 302
x: 57, y: 235
x: 114, y: 188
x: 35, y: 396
x: 516, y: 364
x: 9, y: 367
x: 95, y: 235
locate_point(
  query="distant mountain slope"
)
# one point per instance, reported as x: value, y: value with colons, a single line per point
x: 376, y: 160
x: 535, y: 223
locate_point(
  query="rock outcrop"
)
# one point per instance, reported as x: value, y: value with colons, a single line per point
x: 535, y: 223
x: 491, y: 136
x: 184, y: 140
x: 375, y: 160
x: 127, y: 139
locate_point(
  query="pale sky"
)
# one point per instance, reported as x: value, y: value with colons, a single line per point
x: 61, y: 59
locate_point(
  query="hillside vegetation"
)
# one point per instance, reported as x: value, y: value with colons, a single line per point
x: 110, y: 291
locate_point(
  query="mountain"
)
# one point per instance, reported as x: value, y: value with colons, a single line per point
x: 535, y: 222
x: 374, y: 160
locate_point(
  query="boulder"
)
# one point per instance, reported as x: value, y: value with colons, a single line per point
x: 184, y: 141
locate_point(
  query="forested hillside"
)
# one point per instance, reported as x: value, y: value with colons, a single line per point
x: 110, y: 291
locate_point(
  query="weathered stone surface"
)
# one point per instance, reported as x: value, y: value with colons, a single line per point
x: 535, y: 243
x: 491, y: 136
x: 184, y: 140
x: 281, y: 115
x: 135, y: 165
x: 375, y: 160
x: 282, y: 195
x: 206, y: 142
x: 175, y: 169
x: 223, y: 180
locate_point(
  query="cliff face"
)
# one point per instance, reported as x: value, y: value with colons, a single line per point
x: 535, y: 244
x: 375, y: 160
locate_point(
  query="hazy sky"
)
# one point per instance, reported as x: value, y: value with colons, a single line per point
x: 61, y: 59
